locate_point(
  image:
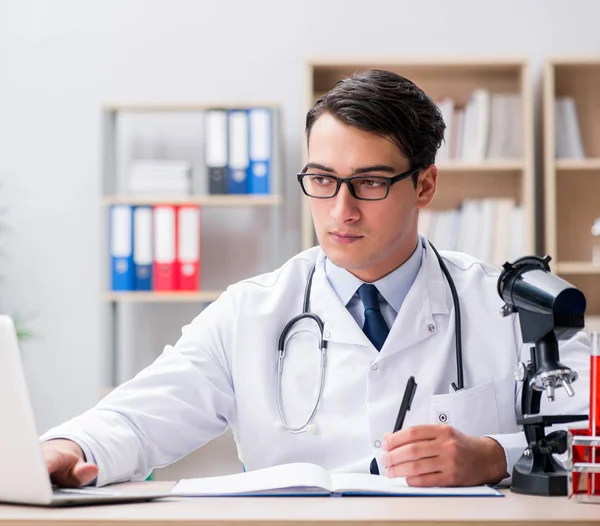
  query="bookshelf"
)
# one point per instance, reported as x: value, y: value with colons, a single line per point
x: 253, y: 220
x: 456, y: 79
x: 572, y: 181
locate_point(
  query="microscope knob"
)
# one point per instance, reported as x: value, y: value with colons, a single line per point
x: 555, y: 442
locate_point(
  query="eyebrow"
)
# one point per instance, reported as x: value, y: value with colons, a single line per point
x: 361, y: 170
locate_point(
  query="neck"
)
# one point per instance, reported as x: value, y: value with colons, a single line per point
x: 388, y: 264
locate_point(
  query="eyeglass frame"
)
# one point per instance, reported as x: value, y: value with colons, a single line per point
x: 339, y: 180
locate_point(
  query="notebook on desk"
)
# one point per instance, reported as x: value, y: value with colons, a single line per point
x: 304, y: 479
x: 23, y: 475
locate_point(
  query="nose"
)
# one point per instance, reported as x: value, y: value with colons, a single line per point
x: 344, y: 209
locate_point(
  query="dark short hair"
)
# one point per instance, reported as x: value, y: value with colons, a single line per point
x: 388, y: 105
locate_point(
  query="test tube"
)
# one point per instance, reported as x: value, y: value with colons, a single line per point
x: 594, y: 486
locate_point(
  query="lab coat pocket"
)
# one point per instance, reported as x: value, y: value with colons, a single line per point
x: 473, y: 411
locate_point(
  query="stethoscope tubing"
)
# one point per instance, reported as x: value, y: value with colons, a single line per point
x: 323, y: 345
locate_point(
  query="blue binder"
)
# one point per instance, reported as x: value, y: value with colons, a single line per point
x: 121, y: 247
x: 261, y: 132
x: 142, y: 247
x: 237, y: 172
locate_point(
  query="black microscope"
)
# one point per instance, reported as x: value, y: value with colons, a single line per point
x: 549, y: 309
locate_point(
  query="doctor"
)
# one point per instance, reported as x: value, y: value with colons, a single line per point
x: 387, y: 314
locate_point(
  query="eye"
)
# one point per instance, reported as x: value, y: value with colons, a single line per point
x: 321, y: 180
x: 370, y: 183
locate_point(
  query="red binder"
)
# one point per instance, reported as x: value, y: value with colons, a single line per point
x: 165, y: 271
x: 188, y: 247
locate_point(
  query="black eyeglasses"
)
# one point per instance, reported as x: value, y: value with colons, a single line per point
x: 364, y: 187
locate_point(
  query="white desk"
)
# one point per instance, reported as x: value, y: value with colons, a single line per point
x: 227, y: 511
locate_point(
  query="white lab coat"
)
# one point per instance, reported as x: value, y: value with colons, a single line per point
x: 222, y: 372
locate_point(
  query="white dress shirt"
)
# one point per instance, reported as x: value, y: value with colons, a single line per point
x: 392, y: 288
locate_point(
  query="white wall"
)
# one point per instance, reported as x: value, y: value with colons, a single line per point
x: 60, y: 60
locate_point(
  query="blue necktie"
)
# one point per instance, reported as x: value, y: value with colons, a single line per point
x: 375, y: 327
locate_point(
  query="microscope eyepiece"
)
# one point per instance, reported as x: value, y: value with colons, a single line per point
x: 544, y: 301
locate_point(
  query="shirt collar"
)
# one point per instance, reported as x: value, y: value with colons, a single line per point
x: 394, y: 287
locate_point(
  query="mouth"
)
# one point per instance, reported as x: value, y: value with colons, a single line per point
x: 345, y: 237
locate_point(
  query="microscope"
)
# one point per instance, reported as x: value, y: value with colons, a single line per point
x: 549, y: 309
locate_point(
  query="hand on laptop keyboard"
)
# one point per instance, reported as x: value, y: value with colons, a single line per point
x: 66, y: 464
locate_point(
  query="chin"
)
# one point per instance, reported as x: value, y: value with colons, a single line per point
x: 345, y: 257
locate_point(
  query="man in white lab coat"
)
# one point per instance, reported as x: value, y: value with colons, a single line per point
x: 387, y: 312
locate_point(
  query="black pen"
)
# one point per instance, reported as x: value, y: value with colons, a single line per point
x: 409, y: 394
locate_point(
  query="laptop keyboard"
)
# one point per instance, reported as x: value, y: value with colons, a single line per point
x: 82, y: 492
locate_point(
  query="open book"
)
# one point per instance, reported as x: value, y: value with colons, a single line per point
x: 310, y: 479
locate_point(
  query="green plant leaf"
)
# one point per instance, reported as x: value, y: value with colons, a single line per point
x: 23, y: 332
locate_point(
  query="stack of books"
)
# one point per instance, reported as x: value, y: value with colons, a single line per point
x: 160, y: 177
x: 487, y: 127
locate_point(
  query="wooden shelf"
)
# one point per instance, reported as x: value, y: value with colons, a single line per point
x: 578, y: 165
x: 433, y: 62
x: 485, y: 167
x: 577, y: 267
x: 202, y: 296
x: 435, y: 76
x: 572, y: 186
x: 575, y: 61
x: 202, y: 200
x: 456, y: 78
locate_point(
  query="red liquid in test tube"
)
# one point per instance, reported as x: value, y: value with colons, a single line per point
x: 594, y: 486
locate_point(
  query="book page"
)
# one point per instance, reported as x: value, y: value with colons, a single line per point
x: 300, y: 477
x: 364, y: 482
x: 376, y: 484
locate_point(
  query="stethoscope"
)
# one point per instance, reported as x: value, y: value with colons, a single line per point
x: 308, y: 426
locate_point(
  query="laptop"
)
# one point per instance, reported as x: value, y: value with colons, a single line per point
x: 23, y: 474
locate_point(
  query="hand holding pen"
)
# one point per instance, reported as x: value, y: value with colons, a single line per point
x: 440, y: 455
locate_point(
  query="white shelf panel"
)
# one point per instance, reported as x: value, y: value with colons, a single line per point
x: 164, y: 297
x: 202, y: 200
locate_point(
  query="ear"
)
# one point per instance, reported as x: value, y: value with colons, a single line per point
x: 426, y: 186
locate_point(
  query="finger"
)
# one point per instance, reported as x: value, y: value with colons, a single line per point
x: 428, y: 481
x: 75, y: 476
x: 84, y: 472
x: 69, y: 471
x: 63, y: 479
x: 58, y: 463
x: 416, y: 468
x: 53, y: 461
x: 411, y: 452
x: 412, y: 434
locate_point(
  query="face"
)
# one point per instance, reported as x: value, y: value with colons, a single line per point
x: 368, y: 238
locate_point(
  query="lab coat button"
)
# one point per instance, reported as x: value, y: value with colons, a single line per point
x: 327, y: 334
x: 374, y: 366
x: 431, y: 327
x: 377, y: 443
